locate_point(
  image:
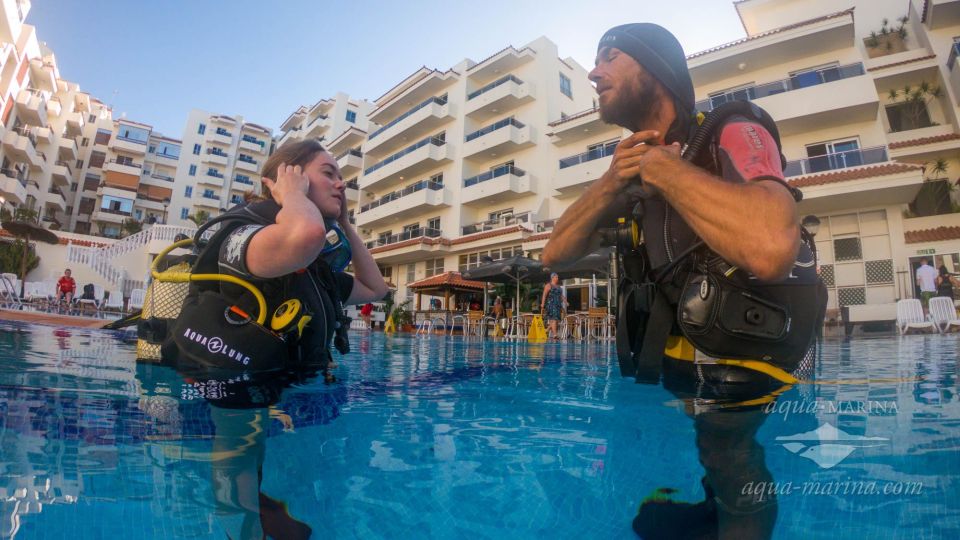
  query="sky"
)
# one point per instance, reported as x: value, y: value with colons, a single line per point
x: 155, y: 61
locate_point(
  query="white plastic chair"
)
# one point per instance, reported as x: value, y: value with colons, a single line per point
x: 136, y: 299
x: 113, y: 302
x: 910, y: 316
x: 944, y: 314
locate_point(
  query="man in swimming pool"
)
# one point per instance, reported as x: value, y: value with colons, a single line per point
x: 743, y: 210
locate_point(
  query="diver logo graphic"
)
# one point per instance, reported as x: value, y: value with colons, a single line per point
x: 216, y: 346
x: 827, y: 446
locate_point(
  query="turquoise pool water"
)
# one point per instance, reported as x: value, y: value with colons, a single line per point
x: 439, y: 437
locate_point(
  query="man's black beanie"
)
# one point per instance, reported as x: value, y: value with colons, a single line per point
x: 659, y: 52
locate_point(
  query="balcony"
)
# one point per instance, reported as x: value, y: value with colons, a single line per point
x: 504, y: 61
x: 20, y: 145
x: 32, y: 107
x: 352, y: 191
x: 43, y: 74
x: 250, y: 143
x: 839, y: 160
x: 954, y: 69
x: 890, y: 184
x: 124, y: 167
x: 220, y: 135
x: 833, y: 96
x: 56, y: 199
x: 500, y: 184
x: 162, y: 177
x: 493, y: 224
x: 61, y: 173
x: 416, y: 122
x: 503, y: 137
x: 246, y: 164
x: 409, y: 201
x: 216, y: 156
x: 408, y: 246
x: 316, y: 128
x: 75, y: 124
x: 54, y: 107
x: 208, y: 201
x: 42, y: 134
x: 350, y: 162
x: 412, y: 160
x: 126, y: 144
x: 212, y: 178
x: 942, y: 13
x: 111, y: 215
x: 67, y: 149
x: 13, y: 187
x: 579, y: 171
x: 504, y: 94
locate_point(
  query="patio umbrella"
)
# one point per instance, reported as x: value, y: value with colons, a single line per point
x: 511, y: 270
x: 597, y: 262
x: 26, y: 231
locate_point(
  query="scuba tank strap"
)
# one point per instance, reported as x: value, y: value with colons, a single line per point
x: 649, y: 357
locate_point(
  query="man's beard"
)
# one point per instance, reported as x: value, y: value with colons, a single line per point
x: 634, y: 108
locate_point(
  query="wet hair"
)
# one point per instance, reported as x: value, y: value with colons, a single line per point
x: 293, y: 153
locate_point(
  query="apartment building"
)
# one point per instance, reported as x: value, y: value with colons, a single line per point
x: 457, y: 165
x: 220, y: 161
x: 42, y: 115
x: 326, y: 119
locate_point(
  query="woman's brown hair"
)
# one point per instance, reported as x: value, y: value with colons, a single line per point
x: 293, y: 153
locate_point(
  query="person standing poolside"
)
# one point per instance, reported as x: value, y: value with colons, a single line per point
x: 552, y: 304
x: 927, y: 281
x: 66, y: 287
x: 366, y: 312
x: 946, y: 283
x: 741, y: 208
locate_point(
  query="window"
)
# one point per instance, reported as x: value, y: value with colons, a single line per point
x: 565, y: 87
x: 116, y: 205
x: 833, y: 155
x: 907, y: 116
x: 815, y: 76
x: 201, y: 129
x: 236, y: 199
x: 102, y: 136
x: 125, y: 160
x: 97, y: 159
x: 133, y: 134
x: 351, y: 116
x: 438, y: 178
x: 188, y: 191
x: 184, y: 213
x: 196, y: 148
x: 193, y: 170
x: 152, y: 149
x: 411, y: 229
x: 138, y: 215
x: 208, y: 193
x: 411, y: 272
x: 434, y: 267
x: 85, y: 141
x: 472, y: 260
x: 433, y: 223
x: 79, y: 164
x: 92, y: 118
x: 91, y: 182
x: 847, y: 249
x: 169, y: 150
x: 386, y: 272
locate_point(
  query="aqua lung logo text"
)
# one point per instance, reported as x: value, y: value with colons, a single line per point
x: 216, y: 346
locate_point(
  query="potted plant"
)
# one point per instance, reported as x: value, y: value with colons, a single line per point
x: 888, y: 40
x: 402, y: 317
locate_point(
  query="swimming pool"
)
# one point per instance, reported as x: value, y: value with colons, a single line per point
x: 438, y: 437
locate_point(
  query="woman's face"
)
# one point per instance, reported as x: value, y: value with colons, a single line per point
x: 555, y: 279
x: 326, y: 185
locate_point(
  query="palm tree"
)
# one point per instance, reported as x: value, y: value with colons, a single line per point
x: 201, y: 217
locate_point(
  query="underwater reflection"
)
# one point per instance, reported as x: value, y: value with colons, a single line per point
x: 243, y: 407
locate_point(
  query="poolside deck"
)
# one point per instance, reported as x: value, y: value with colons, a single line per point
x: 52, y: 319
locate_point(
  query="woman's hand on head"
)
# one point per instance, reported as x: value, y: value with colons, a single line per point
x: 291, y: 179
